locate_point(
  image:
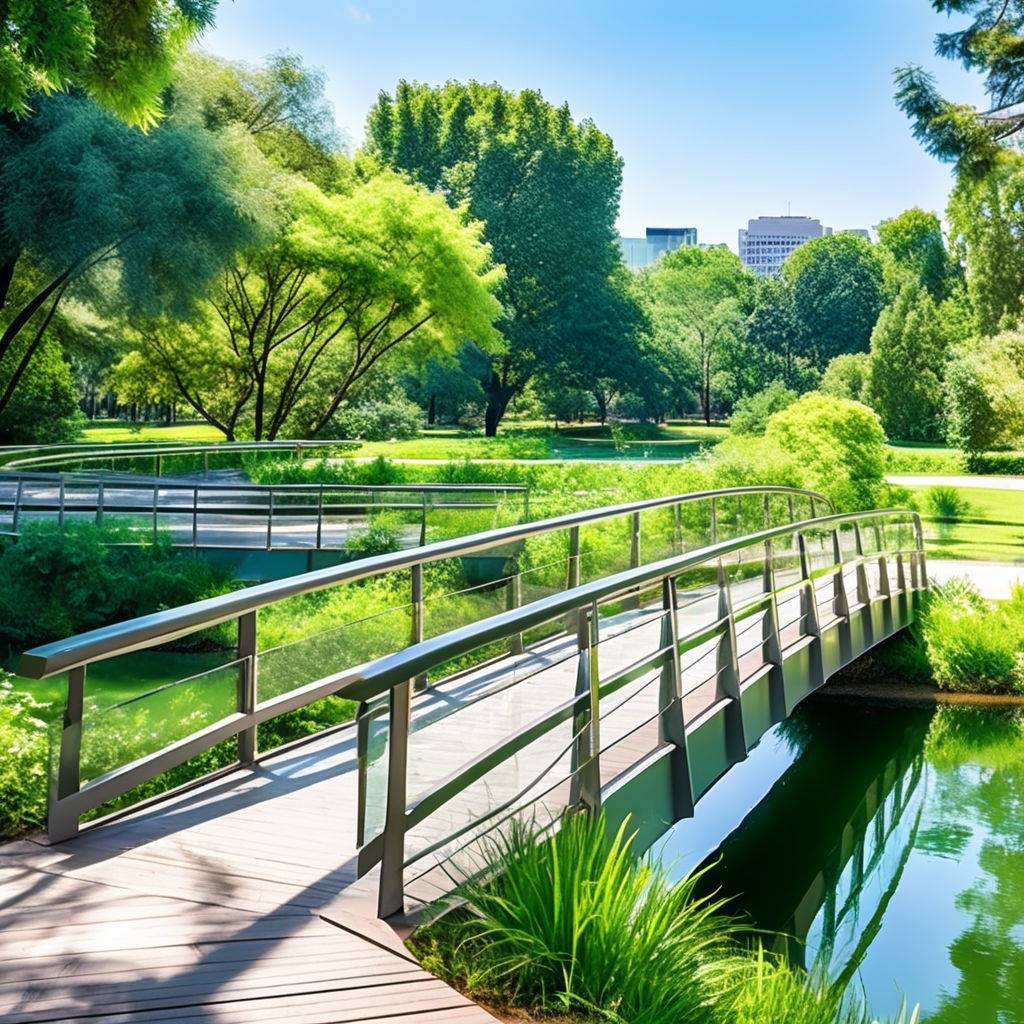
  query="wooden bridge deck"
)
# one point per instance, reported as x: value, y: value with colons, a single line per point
x: 239, y: 902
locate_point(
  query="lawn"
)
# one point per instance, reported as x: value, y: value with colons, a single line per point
x: 119, y: 432
x: 992, y: 530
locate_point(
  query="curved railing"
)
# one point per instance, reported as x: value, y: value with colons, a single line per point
x: 204, y: 513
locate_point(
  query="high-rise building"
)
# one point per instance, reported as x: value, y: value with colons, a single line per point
x: 767, y: 241
x: 638, y: 253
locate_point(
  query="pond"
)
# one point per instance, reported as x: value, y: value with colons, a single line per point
x: 883, y: 845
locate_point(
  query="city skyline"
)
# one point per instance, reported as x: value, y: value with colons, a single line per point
x: 792, y: 107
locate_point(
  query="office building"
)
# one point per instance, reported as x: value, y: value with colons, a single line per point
x: 767, y: 241
x: 638, y: 253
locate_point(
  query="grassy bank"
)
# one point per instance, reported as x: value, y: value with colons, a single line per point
x: 974, y: 523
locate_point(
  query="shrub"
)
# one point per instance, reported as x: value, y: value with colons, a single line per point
x: 750, y: 414
x: 577, y: 922
x: 22, y: 761
x: 380, y: 536
x: 840, y: 444
x: 946, y: 503
x: 974, y: 645
x: 397, y: 419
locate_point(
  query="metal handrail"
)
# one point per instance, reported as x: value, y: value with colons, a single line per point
x: 161, y: 627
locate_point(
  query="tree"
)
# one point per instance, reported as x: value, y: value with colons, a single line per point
x: 916, y: 249
x: 773, y: 330
x: 751, y: 413
x: 297, y: 323
x: 121, y: 54
x: 546, y: 189
x: 847, y: 376
x: 986, y: 216
x: 840, y: 444
x: 985, y: 394
x: 991, y: 45
x: 908, y: 355
x: 837, y: 283
x: 696, y: 299
x: 92, y: 208
x: 44, y: 408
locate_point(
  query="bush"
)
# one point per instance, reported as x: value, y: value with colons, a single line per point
x: 973, y: 645
x: 398, y: 419
x: 66, y: 581
x: 22, y: 761
x: 750, y: 414
x: 946, y: 503
x: 840, y: 445
x: 846, y: 376
x: 383, y: 534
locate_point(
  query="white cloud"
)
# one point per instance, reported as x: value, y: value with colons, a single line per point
x: 358, y: 14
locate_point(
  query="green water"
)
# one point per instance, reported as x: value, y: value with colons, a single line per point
x: 887, y: 846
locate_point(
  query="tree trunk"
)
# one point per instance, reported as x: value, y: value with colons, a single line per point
x: 602, y: 406
x: 432, y: 411
x: 498, y: 397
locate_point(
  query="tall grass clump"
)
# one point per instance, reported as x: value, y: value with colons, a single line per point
x: 974, y: 645
x: 578, y: 923
x: 946, y: 503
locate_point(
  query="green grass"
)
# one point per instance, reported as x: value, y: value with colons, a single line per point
x: 992, y: 530
x: 118, y: 432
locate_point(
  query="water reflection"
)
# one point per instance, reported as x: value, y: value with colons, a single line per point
x: 889, y: 850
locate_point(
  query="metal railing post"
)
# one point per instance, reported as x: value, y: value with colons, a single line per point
x: 362, y: 770
x: 572, y: 576
x: 423, y: 518
x: 514, y: 599
x: 671, y: 717
x: 61, y: 823
x: 714, y: 521
x: 247, y: 682
x: 920, y: 558
x: 840, y: 602
x: 156, y: 505
x: 319, y: 517
x: 99, y: 503
x: 391, y: 893
x: 195, y: 518
x: 634, y: 541
x: 418, y: 610
x: 159, y: 465
x: 809, y: 610
x: 17, y: 506
x: 789, y: 506
x: 771, y: 641
x: 585, y: 788
x: 270, y: 517
x: 677, y: 527
x: 767, y: 512
x: 728, y: 671
x: 60, y: 503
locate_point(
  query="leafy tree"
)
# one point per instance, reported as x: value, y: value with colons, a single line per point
x: 837, y: 283
x: 696, y: 299
x: 44, y: 407
x: 847, y: 376
x: 121, y: 54
x: 349, y: 278
x: 136, y: 381
x: 916, y: 248
x: 989, y: 44
x: 840, y: 444
x: 985, y: 395
x: 904, y: 384
x: 751, y: 413
x: 93, y: 209
x: 986, y: 216
x: 546, y: 189
x: 773, y: 330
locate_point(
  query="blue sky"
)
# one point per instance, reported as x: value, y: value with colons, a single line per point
x: 721, y: 111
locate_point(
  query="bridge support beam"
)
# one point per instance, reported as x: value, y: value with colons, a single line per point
x: 585, y: 789
x: 671, y: 719
x: 729, y: 673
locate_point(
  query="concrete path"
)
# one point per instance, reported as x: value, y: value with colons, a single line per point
x: 987, y: 483
x: 993, y: 579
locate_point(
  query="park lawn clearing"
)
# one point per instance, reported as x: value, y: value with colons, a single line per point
x: 117, y: 432
x: 991, y: 531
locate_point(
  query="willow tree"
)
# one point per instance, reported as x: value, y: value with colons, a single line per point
x: 547, y: 190
x: 92, y: 208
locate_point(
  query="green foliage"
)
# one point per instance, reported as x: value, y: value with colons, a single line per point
x: 904, y: 384
x: 973, y: 645
x: 577, y: 923
x: 984, y: 390
x: 840, y: 444
x: 381, y: 536
x: 846, y: 376
x: 547, y: 190
x: 121, y: 55
x: 22, y: 761
x: 44, y: 407
x: 376, y: 421
x: 776, y: 340
x: 837, y: 283
x: 72, y: 580
x: 946, y: 503
x: 986, y: 218
x: 750, y: 414
x: 916, y: 249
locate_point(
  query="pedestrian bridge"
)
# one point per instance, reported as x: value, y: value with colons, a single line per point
x: 676, y: 632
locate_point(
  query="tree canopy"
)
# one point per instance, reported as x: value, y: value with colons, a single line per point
x: 120, y: 54
x: 547, y: 191
x: 991, y: 43
x: 916, y: 250
x: 837, y: 283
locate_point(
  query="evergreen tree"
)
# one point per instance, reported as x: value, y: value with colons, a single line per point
x: 904, y: 384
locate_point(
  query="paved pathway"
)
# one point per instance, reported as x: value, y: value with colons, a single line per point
x: 988, y: 483
x: 993, y: 579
